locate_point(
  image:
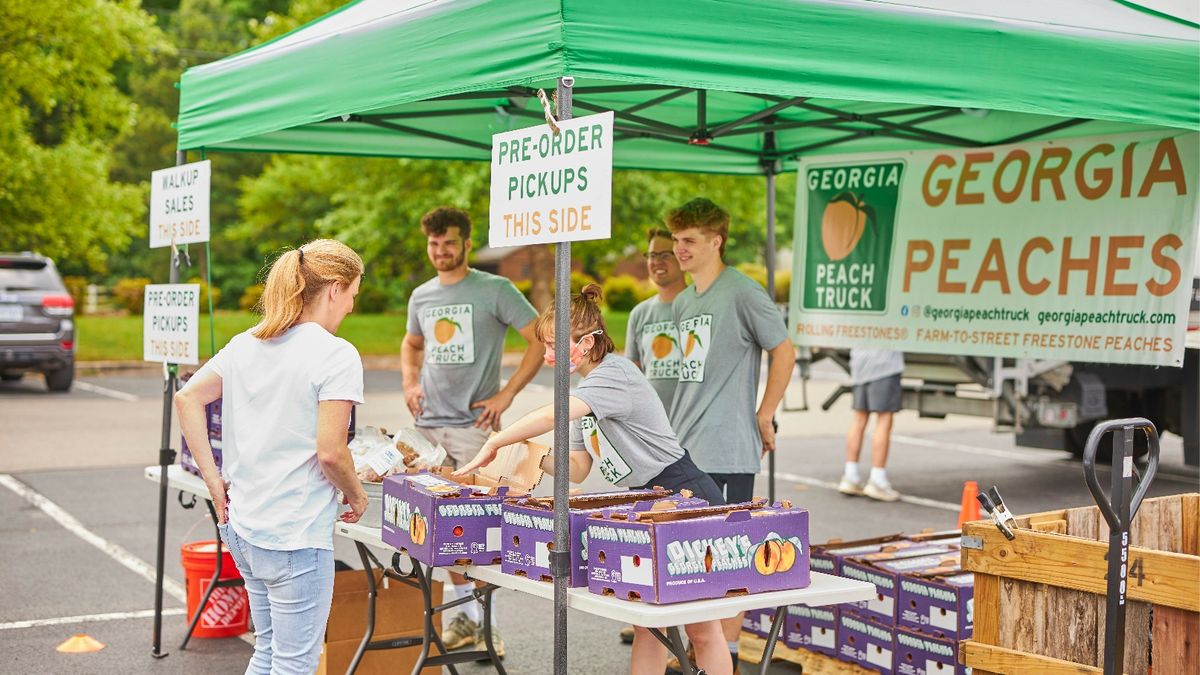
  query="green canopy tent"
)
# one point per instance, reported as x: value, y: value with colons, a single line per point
x: 715, y: 86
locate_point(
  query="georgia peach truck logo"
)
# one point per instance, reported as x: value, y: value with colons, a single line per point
x: 694, y: 335
x: 449, y: 334
x: 849, y: 227
x: 612, y: 465
x: 660, y: 350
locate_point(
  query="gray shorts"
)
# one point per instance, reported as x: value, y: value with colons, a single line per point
x: 461, y: 443
x: 878, y: 395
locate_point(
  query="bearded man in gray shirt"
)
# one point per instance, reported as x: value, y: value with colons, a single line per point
x: 450, y: 360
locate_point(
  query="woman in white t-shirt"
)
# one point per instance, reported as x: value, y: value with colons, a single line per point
x: 287, y: 387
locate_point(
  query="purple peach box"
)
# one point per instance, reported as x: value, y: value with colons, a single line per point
x: 828, y: 557
x: 812, y: 628
x: 757, y: 622
x: 212, y: 413
x: 444, y: 520
x: 942, y: 606
x: 865, y: 642
x: 919, y: 654
x: 883, y: 570
x: 701, y: 553
x: 527, y: 528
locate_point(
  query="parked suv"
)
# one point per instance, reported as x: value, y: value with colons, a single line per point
x: 37, y: 326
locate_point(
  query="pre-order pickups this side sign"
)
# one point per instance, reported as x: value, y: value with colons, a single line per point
x: 549, y: 187
x: 1079, y: 249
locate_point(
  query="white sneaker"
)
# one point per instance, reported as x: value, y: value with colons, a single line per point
x: 850, y: 487
x: 881, y: 491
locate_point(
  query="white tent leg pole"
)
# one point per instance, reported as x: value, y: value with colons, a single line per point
x: 560, y: 558
x: 769, y: 168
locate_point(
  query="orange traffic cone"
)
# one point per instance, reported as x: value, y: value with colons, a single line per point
x: 970, y: 505
x: 80, y: 643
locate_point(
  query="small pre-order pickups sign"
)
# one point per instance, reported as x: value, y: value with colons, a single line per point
x: 549, y: 187
x: 169, y: 331
x: 179, y: 198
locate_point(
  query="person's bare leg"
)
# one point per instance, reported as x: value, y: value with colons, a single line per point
x: 881, y: 440
x: 648, y: 656
x: 732, y: 630
x: 854, y: 436
x: 712, y: 652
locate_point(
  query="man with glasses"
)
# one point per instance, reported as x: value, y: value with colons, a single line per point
x: 652, y: 340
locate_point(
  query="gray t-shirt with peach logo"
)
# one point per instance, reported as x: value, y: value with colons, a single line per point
x: 464, y: 325
x: 627, y: 431
x: 653, y: 341
x: 723, y: 333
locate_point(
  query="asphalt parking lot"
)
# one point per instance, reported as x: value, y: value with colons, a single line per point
x: 78, y: 520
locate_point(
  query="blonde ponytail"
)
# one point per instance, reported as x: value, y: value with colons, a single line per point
x: 297, y: 279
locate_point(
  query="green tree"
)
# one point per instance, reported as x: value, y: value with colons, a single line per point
x: 62, y: 63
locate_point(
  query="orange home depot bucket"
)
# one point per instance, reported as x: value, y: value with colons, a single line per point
x: 228, y: 611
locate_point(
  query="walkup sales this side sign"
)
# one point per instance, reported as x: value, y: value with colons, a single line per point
x: 549, y: 187
x: 1077, y: 249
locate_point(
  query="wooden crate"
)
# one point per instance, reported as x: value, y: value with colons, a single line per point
x: 750, y: 648
x: 1040, y: 599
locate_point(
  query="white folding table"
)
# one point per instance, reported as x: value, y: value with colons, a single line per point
x: 662, y: 620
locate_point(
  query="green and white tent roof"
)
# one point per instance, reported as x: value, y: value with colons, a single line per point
x: 696, y: 84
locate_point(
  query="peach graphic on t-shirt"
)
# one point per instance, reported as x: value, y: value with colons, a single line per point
x: 661, y: 345
x: 444, y: 329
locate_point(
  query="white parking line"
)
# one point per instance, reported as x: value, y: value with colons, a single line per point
x: 89, y: 618
x: 72, y: 525
x: 105, y: 391
x: 907, y: 499
x: 115, y: 551
x: 1027, y: 456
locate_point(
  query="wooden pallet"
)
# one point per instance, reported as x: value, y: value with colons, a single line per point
x: 750, y: 648
x: 1040, y: 599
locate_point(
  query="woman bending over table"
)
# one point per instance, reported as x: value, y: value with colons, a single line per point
x: 618, y: 420
x: 287, y: 387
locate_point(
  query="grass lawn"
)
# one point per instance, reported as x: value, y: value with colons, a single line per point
x: 119, y: 338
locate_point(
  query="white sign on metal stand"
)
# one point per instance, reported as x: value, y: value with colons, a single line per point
x: 179, y: 200
x: 552, y: 187
x: 170, y: 330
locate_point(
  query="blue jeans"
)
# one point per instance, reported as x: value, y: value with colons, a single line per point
x: 290, y: 593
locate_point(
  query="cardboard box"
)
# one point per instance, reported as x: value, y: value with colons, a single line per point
x: 828, y: 557
x: 757, y: 622
x: 884, y: 569
x: 917, y: 654
x: 812, y: 628
x: 336, y: 657
x: 865, y: 642
x: 943, y: 606
x: 675, y: 555
x: 441, y: 520
x: 399, y: 612
x: 527, y: 528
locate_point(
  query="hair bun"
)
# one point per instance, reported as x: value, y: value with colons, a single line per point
x: 592, y: 293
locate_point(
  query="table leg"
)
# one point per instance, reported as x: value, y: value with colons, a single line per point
x: 772, y: 638
x: 485, y: 596
x: 369, y: 570
x: 213, y: 584
x: 674, y: 643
